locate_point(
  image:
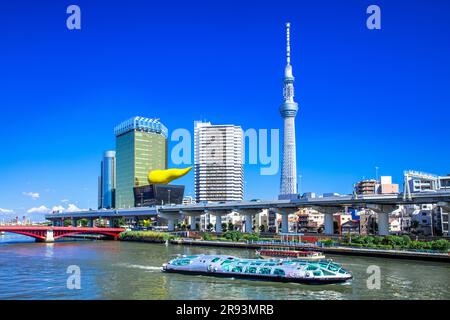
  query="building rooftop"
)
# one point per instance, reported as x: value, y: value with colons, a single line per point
x: 141, y: 124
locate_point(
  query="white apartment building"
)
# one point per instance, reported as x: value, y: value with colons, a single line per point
x: 218, y: 162
x: 218, y: 165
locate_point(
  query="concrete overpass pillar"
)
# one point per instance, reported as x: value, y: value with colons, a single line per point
x: 328, y: 224
x: 382, y: 211
x: 193, y: 223
x: 111, y: 223
x: 285, y: 212
x: 74, y: 222
x: 90, y: 223
x: 248, y: 223
x: 249, y: 214
x: 170, y: 224
x: 192, y: 218
x: 54, y: 223
x: 170, y: 217
x: 383, y: 223
x: 218, y: 223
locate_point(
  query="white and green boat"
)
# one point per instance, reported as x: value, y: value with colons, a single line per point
x: 308, y: 272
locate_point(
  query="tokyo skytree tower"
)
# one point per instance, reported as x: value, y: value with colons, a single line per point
x: 288, y: 110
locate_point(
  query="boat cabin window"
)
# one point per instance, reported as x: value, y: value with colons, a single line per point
x: 226, y: 262
x: 251, y: 269
x: 256, y: 263
x: 269, y: 264
x: 265, y: 270
x: 327, y: 273
x: 226, y: 267
x: 215, y: 259
x: 279, y: 272
x: 333, y: 267
x: 236, y: 269
x: 181, y: 262
x: 317, y: 273
x: 311, y: 267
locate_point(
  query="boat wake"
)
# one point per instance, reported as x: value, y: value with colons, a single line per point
x: 136, y: 266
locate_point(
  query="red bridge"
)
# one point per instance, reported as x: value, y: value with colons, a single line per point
x: 50, y: 234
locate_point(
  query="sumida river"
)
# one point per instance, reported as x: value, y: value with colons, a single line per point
x: 130, y: 270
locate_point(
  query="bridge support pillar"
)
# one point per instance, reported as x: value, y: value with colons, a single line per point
x: 218, y: 223
x: 218, y: 215
x: 171, y: 224
x: 285, y: 222
x: 193, y: 224
x: 382, y: 212
x: 248, y: 223
x: 74, y: 222
x: 111, y: 223
x: 54, y: 223
x: 49, y: 236
x: 249, y: 214
x: 90, y: 223
x: 328, y: 224
x: 192, y: 218
x: 285, y: 212
x: 383, y: 223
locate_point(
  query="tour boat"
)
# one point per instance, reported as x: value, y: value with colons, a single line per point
x: 290, y: 254
x: 320, y: 272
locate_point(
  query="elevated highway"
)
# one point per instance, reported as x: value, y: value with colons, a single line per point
x: 381, y: 204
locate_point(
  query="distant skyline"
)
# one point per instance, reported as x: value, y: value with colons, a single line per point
x: 367, y: 98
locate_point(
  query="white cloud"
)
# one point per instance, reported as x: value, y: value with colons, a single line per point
x: 6, y: 211
x: 73, y: 208
x: 32, y: 195
x: 65, y: 200
x: 58, y: 209
x: 41, y: 209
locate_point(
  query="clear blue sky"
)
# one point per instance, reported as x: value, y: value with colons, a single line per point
x: 367, y: 98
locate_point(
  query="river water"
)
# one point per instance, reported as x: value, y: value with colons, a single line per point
x: 130, y: 270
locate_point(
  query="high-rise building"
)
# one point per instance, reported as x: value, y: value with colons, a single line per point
x: 141, y: 146
x: 288, y: 110
x: 107, y: 180
x: 218, y: 162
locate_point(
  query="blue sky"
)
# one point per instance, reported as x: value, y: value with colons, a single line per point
x: 367, y: 98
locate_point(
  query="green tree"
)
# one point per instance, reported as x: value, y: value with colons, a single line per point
x: 224, y: 227
x: 147, y: 223
x: 230, y: 226
x: 262, y: 228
